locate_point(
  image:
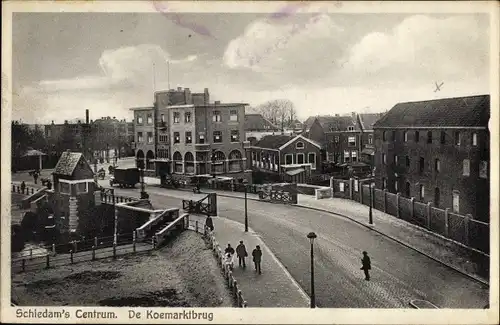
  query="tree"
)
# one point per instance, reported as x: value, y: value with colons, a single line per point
x: 281, y: 112
x: 23, y: 139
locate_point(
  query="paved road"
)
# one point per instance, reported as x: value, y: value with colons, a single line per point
x: 399, y: 274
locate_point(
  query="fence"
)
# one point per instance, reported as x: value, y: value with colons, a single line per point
x: 232, y: 283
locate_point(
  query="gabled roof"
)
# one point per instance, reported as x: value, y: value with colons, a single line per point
x: 67, y: 163
x: 273, y: 141
x: 471, y: 111
x: 314, y: 143
x: 258, y: 122
x: 333, y: 123
x: 368, y: 120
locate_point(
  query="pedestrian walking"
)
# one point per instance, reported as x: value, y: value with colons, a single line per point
x: 23, y: 186
x: 257, y: 257
x: 366, y: 265
x: 241, y: 251
x: 209, y: 223
x: 35, y: 176
x: 229, y: 249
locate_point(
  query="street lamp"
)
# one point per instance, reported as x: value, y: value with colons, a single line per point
x: 245, y: 181
x: 144, y: 195
x: 311, y: 237
x: 371, y: 199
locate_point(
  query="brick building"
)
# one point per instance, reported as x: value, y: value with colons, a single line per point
x: 295, y: 158
x: 191, y: 136
x: 437, y: 151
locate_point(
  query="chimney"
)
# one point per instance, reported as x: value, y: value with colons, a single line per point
x: 206, y: 96
x: 336, y: 115
x: 52, y: 122
x: 87, y: 116
x: 179, y: 88
x: 217, y: 102
x: 65, y: 121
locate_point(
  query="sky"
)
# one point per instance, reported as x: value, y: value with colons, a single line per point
x: 325, y: 63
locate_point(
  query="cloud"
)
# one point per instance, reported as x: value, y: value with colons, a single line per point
x: 301, y: 48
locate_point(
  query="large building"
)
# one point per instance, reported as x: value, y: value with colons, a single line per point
x: 437, y: 151
x: 184, y: 134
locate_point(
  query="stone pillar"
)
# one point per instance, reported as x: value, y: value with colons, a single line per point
x: 397, y: 205
x: 446, y: 230
x: 412, y: 208
x: 466, y: 228
x: 428, y: 214
x: 385, y: 200
x: 73, y: 214
x: 351, y: 188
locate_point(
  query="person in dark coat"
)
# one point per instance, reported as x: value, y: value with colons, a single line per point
x: 241, y: 251
x: 209, y: 224
x: 366, y: 265
x: 23, y: 186
x: 35, y: 176
x: 257, y: 257
x: 229, y: 249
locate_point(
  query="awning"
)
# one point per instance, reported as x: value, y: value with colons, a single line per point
x: 368, y: 151
x: 295, y: 171
x: 33, y: 152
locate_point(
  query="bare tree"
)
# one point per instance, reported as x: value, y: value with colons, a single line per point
x: 281, y: 112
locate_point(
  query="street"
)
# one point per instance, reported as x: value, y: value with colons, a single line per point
x: 398, y: 274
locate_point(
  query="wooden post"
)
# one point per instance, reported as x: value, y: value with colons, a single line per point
x: 397, y: 205
x: 114, y: 250
x: 32, y: 191
x: 71, y: 256
x: 93, y: 253
x: 351, y: 188
x: 133, y: 240
x: 466, y: 228
x: 31, y: 253
x: 196, y: 225
x: 54, y: 249
x: 23, y: 264
x: 412, y: 210
x: 47, y: 259
x: 360, y: 187
x: 446, y: 211
x: 74, y: 246
x: 385, y: 200
x: 428, y: 214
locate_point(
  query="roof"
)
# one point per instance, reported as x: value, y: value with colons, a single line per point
x: 295, y: 171
x: 333, y: 123
x: 141, y: 108
x: 368, y: 120
x: 300, y: 137
x: 258, y: 122
x: 471, y: 111
x: 33, y: 152
x: 273, y: 141
x: 67, y: 163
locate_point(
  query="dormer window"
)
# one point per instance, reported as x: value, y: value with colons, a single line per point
x: 350, y: 128
x: 299, y: 145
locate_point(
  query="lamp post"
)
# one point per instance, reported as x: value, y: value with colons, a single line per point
x: 311, y: 237
x: 371, y: 200
x: 144, y: 195
x: 246, y: 207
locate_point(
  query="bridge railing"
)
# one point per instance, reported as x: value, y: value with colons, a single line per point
x: 165, y: 216
x: 206, y: 206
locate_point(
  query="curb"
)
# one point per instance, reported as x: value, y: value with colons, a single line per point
x: 371, y: 227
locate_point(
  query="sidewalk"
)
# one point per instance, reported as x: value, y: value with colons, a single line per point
x: 275, y: 287
x: 437, y: 247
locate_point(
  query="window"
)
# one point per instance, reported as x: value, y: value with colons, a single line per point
x: 443, y: 137
x: 139, y: 137
x: 350, y: 128
x: 201, y: 138
x: 337, y: 139
x: 139, y: 119
x: 216, y: 117
x: 311, y: 159
x: 384, y: 159
x: 354, y: 156
x: 235, y: 136
x: 429, y: 136
x: 395, y: 160
x: 163, y: 138
x: 64, y: 188
x: 299, y: 145
x: 356, y: 184
x: 466, y: 171
x: 300, y: 158
x: 407, y: 189
x: 150, y: 118
x: 370, y: 139
x: 346, y: 156
x: 177, y: 117
x: 483, y: 169
x: 457, y: 138
x: 407, y: 161
x: 384, y: 136
x: 351, y: 141
x: 421, y: 164
x: 289, y: 159
x: 233, y: 115
x: 437, y: 165
x: 163, y: 118
x: 394, y: 134
x: 81, y: 187
x: 177, y: 137
x: 217, y: 136
x: 456, y: 202
x: 421, y: 191
x: 474, y: 139
x: 417, y: 136
x: 150, y: 137
x: 189, y: 138
x: 187, y: 117
x: 384, y: 183
x: 406, y: 136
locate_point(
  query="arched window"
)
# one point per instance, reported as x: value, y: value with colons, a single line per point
x: 219, y: 162
x: 177, y: 159
x: 299, y: 145
x: 150, y: 165
x: 189, y: 163
x: 235, y: 161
